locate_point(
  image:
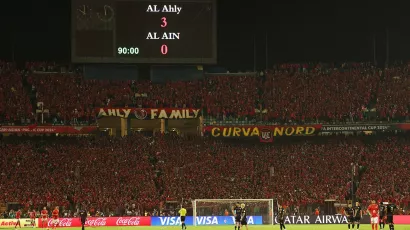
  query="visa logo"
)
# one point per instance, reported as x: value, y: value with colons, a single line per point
x: 170, y: 220
x: 249, y: 220
x: 206, y: 220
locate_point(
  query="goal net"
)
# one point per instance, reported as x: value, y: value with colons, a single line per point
x: 219, y: 211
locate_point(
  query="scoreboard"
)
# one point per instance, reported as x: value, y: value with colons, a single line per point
x: 143, y: 31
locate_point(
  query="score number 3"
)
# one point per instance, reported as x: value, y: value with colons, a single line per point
x: 164, y: 22
x: 164, y: 48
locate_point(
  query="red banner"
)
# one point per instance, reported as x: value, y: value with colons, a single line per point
x: 264, y: 133
x: 48, y: 129
x: 103, y: 221
x: 150, y: 113
x: 401, y: 219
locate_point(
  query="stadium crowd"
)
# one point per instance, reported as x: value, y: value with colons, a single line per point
x: 288, y: 93
x: 146, y: 171
x: 113, y: 172
x: 139, y: 172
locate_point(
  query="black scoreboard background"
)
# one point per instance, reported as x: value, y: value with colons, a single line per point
x: 144, y: 31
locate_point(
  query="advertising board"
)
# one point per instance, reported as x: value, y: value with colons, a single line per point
x: 202, y: 220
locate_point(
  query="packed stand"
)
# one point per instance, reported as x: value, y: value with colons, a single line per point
x: 231, y: 96
x: 107, y: 173
x: 102, y: 173
x: 15, y: 106
x: 220, y: 170
x: 393, y: 94
x: 297, y: 171
x: 287, y: 94
x: 329, y: 96
x: 293, y: 93
x: 71, y: 99
x: 387, y: 165
x: 217, y: 165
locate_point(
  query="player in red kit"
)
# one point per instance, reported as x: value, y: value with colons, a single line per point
x: 44, y: 216
x: 33, y: 218
x: 373, y: 210
x: 18, y: 216
x: 55, y: 217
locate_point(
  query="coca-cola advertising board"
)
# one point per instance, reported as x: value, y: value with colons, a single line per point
x: 104, y: 221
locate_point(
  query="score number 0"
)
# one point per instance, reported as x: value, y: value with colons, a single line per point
x: 164, y: 48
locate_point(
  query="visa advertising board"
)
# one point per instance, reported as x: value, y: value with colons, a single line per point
x: 201, y: 220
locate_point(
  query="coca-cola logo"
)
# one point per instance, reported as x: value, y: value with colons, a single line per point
x: 131, y: 221
x: 96, y: 222
x: 64, y: 222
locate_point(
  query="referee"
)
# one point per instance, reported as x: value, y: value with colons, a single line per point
x: 182, y: 214
x: 83, y: 217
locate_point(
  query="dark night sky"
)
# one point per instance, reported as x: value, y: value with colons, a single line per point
x: 297, y: 31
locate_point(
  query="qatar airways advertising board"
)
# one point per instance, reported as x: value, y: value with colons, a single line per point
x: 321, y: 219
x: 336, y: 219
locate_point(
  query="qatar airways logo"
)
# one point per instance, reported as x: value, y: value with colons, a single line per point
x: 325, y: 219
x: 132, y: 221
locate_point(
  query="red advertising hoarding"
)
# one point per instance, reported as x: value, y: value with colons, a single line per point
x: 104, y: 221
x: 401, y: 219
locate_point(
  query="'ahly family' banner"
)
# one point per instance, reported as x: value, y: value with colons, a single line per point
x: 264, y: 133
x: 150, y: 113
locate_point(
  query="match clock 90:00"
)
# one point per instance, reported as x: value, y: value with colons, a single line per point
x: 128, y: 50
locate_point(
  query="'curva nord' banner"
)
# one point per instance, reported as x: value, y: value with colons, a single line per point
x: 264, y: 133
x: 150, y: 113
x: 201, y: 220
x: 104, y: 221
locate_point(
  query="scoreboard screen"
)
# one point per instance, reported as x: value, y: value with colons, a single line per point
x: 144, y: 31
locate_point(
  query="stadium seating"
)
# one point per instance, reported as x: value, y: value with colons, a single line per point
x: 393, y: 100
x: 148, y: 170
x: 292, y: 93
x: 14, y: 102
x: 110, y: 174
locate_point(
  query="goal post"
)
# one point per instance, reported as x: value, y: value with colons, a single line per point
x: 259, y: 211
